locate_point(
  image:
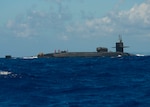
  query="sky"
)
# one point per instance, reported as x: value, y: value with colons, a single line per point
x: 29, y: 27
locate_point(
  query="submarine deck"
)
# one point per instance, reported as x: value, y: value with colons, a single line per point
x: 84, y: 54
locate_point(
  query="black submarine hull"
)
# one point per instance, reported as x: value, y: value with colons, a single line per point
x: 101, y: 52
x: 84, y: 54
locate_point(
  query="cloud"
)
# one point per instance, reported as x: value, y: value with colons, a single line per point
x: 138, y: 13
x: 92, y: 27
x: 35, y: 22
x: 58, y: 22
x: 135, y: 21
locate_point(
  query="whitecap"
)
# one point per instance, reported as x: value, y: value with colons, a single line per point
x: 119, y: 56
x: 139, y: 55
x: 5, y: 73
x: 30, y: 57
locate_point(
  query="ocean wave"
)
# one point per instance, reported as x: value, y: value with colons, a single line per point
x: 139, y: 55
x: 30, y: 57
x: 5, y: 73
x: 8, y: 74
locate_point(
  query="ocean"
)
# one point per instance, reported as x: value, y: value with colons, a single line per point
x: 75, y: 82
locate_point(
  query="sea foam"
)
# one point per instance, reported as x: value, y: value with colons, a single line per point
x: 5, y: 73
x: 139, y: 55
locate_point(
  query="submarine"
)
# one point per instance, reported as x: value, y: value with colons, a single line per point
x: 100, y: 52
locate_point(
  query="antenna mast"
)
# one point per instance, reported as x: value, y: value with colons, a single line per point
x: 120, y: 38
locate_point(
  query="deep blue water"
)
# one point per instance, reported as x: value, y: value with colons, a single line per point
x: 75, y: 82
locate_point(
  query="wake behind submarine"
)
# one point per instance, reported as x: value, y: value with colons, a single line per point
x: 101, y: 52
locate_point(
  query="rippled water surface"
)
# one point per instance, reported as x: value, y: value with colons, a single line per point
x: 75, y: 82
